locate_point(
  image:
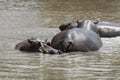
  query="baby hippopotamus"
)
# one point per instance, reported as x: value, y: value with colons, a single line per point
x: 29, y: 45
x: 37, y: 45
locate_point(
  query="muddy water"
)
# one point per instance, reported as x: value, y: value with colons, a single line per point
x: 22, y: 19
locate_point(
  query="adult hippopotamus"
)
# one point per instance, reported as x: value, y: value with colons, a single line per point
x: 108, y: 29
x: 104, y: 29
x: 76, y: 39
x: 37, y: 45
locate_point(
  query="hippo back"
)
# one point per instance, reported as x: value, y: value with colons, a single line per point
x: 108, y: 29
x: 76, y: 39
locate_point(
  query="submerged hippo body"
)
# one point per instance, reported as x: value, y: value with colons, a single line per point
x: 108, y: 29
x: 76, y: 39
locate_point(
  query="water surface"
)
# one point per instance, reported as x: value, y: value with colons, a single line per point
x: 22, y: 19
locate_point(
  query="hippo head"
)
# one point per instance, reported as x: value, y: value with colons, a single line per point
x: 34, y: 45
x: 28, y: 45
x: 87, y: 24
x: 67, y: 26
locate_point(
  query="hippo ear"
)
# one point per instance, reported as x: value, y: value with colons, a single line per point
x: 78, y: 21
x: 96, y: 21
x: 29, y: 41
x: 64, y: 26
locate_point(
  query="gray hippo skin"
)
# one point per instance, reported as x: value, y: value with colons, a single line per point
x: 108, y: 29
x: 76, y: 39
x: 46, y: 49
x: 37, y: 45
x: 87, y: 24
x: 28, y: 45
x: 104, y: 29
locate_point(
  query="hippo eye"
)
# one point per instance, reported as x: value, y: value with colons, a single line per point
x: 68, y: 25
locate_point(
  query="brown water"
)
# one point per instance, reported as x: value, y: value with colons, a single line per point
x: 22, y: 19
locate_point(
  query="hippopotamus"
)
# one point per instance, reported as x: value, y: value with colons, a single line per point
x: 76, y: 39
x: 104, y: 29
x: 37, y: 45
x: 108, y: 29
x: 28, y: 45
x: 87, y: 24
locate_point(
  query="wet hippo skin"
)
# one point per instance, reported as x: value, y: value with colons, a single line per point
x: 104, y: 29
x: 108, y: 29
x: 28, y: 45
x: 37, y: 45
x: 76, y: 39
x: 87, y: 24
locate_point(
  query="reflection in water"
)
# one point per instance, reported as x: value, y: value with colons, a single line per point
x: 21, y: 19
